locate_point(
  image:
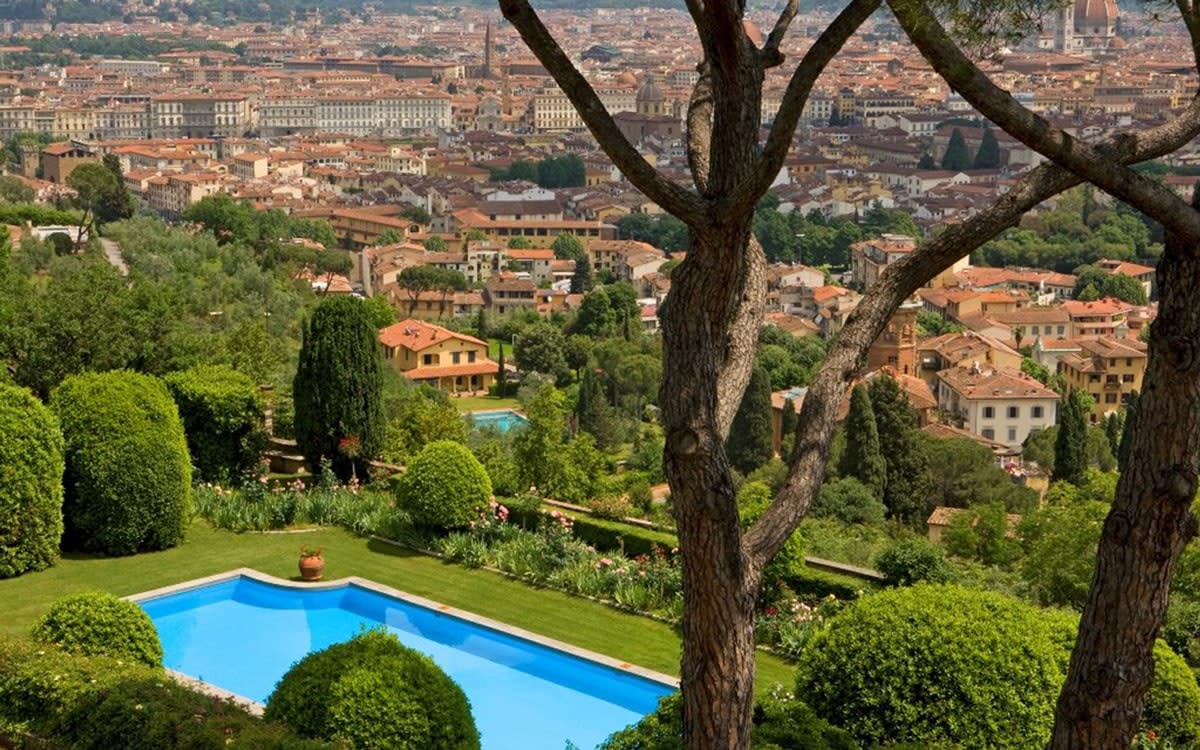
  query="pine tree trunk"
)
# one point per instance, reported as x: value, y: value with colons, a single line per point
x: 719, y: 583
x: 1146, y: 530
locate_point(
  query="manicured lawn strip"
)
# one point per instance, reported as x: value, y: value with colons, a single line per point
x: 478, y: 403
x: 589, y: 625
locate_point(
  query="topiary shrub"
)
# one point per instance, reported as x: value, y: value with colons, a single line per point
x: 129, y: 478
x: 222, y: 414
x: 936, y: 664
x: 374, y: 693
x: 911, y: 561
x: 31, y: 472
x: 1173, y: 703
x: 780, y: 723
x: 96, y: 623
x: 444, y: 486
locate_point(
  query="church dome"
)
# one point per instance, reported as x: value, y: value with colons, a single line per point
x: 649, y: 92
x: 1095, y: 16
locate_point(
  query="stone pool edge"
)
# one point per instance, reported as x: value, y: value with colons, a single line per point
x: 256, y: 708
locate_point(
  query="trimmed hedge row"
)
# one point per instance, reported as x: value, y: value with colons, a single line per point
x: 605, y: 536
x: 31, y: 494
x: 222, y: 414
x: 100, y: 703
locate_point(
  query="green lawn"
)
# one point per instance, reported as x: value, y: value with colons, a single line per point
x: 477, y: 403
x: 587, y: 624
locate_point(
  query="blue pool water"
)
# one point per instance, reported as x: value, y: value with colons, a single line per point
x: 503, y: 420
x: 243, y: 634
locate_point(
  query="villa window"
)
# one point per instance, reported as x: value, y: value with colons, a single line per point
x: 1014, y: 412
x: 989, y: 412
x: 455, y: 357
x: 428, y: 359
x: 1012, y: 434
x: 988, y: 433
x: 1036, y: 412
x: 470, y: 356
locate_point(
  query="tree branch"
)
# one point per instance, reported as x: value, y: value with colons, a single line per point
x: 699, y: 128
x: 672, y: 197
x: 771, y: 56
x: 1187, y: 11
x: 799, y: 87
x: 1152, y: 198
x: 741, y: 340
x: 828, y: 388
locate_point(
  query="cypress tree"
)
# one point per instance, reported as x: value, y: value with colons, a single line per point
x: 1129, y: 423
x: 906, y: 491
x: 581, y: 280
x: 593, y: 413
x: 862, y: 459
x: 749, y: 445
x: 1070, y: 445
x: 500, y: 374
x: 956, y: 157
x: 338, y: 388
x: 1112, y: 430
x: 787, y: 427
x: 988, y: 155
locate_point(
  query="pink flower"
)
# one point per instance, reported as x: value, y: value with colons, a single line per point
x: 605, y: 561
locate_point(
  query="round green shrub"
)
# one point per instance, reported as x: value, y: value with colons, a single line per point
x: 1173, y: 703
x: 444, y: 487
x: 938, y: 663
x: 913, y: 560
x: 222, y: 414
x: 129, y: 477
x: 100, y: 624
x: 374, y: 693
x: 31, y: 494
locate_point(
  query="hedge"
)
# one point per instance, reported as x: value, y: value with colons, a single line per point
x: 374, y: 693
x: 129, y: 478
x: 222, y: 414
x: 101, y: 624
x: 31, y: 473
x: 100, y: 703
x: 444, y: 487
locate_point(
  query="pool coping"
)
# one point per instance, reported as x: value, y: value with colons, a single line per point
x: 256, y: 708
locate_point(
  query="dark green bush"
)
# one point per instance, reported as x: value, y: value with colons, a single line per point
x: 444, y: 487
x: 101, y: 703
x: 1173, y: 703
x: 222, y: 414
x: 99, y: 624
x: 779, y: 724
x: 911, y: 561
x: 375, y: 693
x: 613, y: 535
x: 129, y: 478
x: 938, y: 663
x: 31, y: 472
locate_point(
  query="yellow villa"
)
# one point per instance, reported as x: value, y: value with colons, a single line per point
x: 449, y: 361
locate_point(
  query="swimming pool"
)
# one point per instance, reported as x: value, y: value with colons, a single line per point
x: 242, y: 631
x: 501, y: 419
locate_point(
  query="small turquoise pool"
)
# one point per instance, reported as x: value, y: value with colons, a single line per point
x: 502, y: 419
x: 242, y: 635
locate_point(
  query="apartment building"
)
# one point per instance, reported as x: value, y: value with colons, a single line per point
x: 552, y: 110
x: 201, y: 115
x: 996, y: 404
x: 1109, y: 369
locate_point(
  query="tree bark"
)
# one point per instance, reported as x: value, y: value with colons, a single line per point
x: 1149, y: 525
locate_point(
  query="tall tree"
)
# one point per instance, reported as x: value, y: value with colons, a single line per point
x: 581, y: 280
x: 568, y: 247
x: 988, y: 154
x: 862, y: 459
x: 906, y: 492
x: 338, y: 388
x: 1113, y: 424
x: 1070, y: 445
x: 715, y: 308
x: 749, y: 444
x: 956, y: 157
x: 416, y: 280
x: 1150, y: 521
x: 1128, y: 424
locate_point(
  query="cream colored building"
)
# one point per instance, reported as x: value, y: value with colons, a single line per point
x: 996, y: 404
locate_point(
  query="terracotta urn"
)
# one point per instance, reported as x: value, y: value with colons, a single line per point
x: 312, y: 564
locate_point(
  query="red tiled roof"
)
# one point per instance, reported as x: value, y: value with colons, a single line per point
x: 415, y: 335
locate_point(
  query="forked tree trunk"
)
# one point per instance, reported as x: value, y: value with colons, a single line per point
x: 1149, y: 525
x: 720, y: 583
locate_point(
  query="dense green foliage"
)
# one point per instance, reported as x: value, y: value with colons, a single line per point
x: 849, y: 501
x: 862, y: 459
x: 1108, y: 284
x: 749, y: 444
x: 100, y: 624
x: 1173, y: 702
x: 444, y: 487
x: 956, y: 157
x: 31, y: 472
x: 376, y: 694
x: 780, y: 723
x: 906, y: 493
x: 104, y: 702
x: 911, y: 561
x: 128, y: 476
x: 938, y: 663
x: 338, y: 386
x: 544, y: 456
x: 988, y: 154
x: 222, y: 413
x: 1070, y: 444
x: 1060, y: 544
